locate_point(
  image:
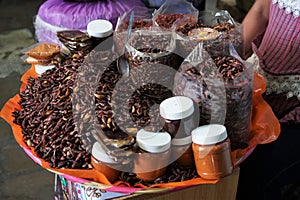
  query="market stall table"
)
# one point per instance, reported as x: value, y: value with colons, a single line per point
x: 210, y: 190
x: 75, y: 177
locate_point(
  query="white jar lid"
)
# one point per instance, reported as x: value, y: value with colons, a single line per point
x: 153, y: 142
x: 99, y: 28
x: 39, y: 69
x: 175, y: 108
x: 100, y: 154
x: 209, y: 134
x: 182, y: 141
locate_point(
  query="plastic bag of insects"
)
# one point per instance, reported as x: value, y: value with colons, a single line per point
x: 222, y: 87
x: 217, y: 30
x: 135, y: 19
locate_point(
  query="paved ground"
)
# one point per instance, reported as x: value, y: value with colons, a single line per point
x: 20, y: 177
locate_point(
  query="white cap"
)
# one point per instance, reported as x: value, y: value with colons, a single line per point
x: 100, y: 154
x: 39, y: 69
x: 209, y: 134
x: 153, y: 142
x: 99, y: 28
x: 182, y: 141
x: 178, y: 107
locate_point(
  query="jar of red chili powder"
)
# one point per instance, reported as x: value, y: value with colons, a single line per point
x: 212, y: 153
x: 103, y: 163
x: 182, y: 151
x: 153, y: 155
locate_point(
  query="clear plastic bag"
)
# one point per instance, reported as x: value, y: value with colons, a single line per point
x: 229, y: 32
x: 142, y: 19
x: 172, y: 11
x: 222, y: 87
x: 147, y: 47
x: 196, y: 78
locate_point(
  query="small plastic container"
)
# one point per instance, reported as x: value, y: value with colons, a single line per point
x: 212, y: 153
x: 101, y: 161
x: 153, y: 157
x: 182, y: 151
x: 177, y: 113
x: 100, y: 31
x: 39, y: 69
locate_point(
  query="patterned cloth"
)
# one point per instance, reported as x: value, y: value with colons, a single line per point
x: 278, y: 51
x: 68, y: 190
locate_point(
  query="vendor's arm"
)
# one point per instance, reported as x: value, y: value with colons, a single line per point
x: 255, y: 23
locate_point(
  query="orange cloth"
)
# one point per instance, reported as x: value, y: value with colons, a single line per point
x: 264, y: 127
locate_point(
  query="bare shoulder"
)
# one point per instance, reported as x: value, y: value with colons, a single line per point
x: 263, y: 6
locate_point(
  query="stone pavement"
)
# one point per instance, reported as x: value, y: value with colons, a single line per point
x: 20, y: 177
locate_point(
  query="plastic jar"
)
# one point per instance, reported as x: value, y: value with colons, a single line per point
x: 212, y: 153
x: 101, y: 161
x: 100, y: 31
x: 177, y: 113
x: 153, y: 155
x: 182, y: 151
x: 40, y: 69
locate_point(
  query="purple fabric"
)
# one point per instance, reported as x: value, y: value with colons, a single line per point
x: 80, y: 0
x: 75, y: 15
x: 44, y: 33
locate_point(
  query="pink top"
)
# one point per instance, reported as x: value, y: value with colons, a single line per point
x: 280, y: 53
x: 278, y: 50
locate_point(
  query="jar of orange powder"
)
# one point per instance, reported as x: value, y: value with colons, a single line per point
x: 212, y: 153
x: 102, y: 162
x: 153, y: 154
